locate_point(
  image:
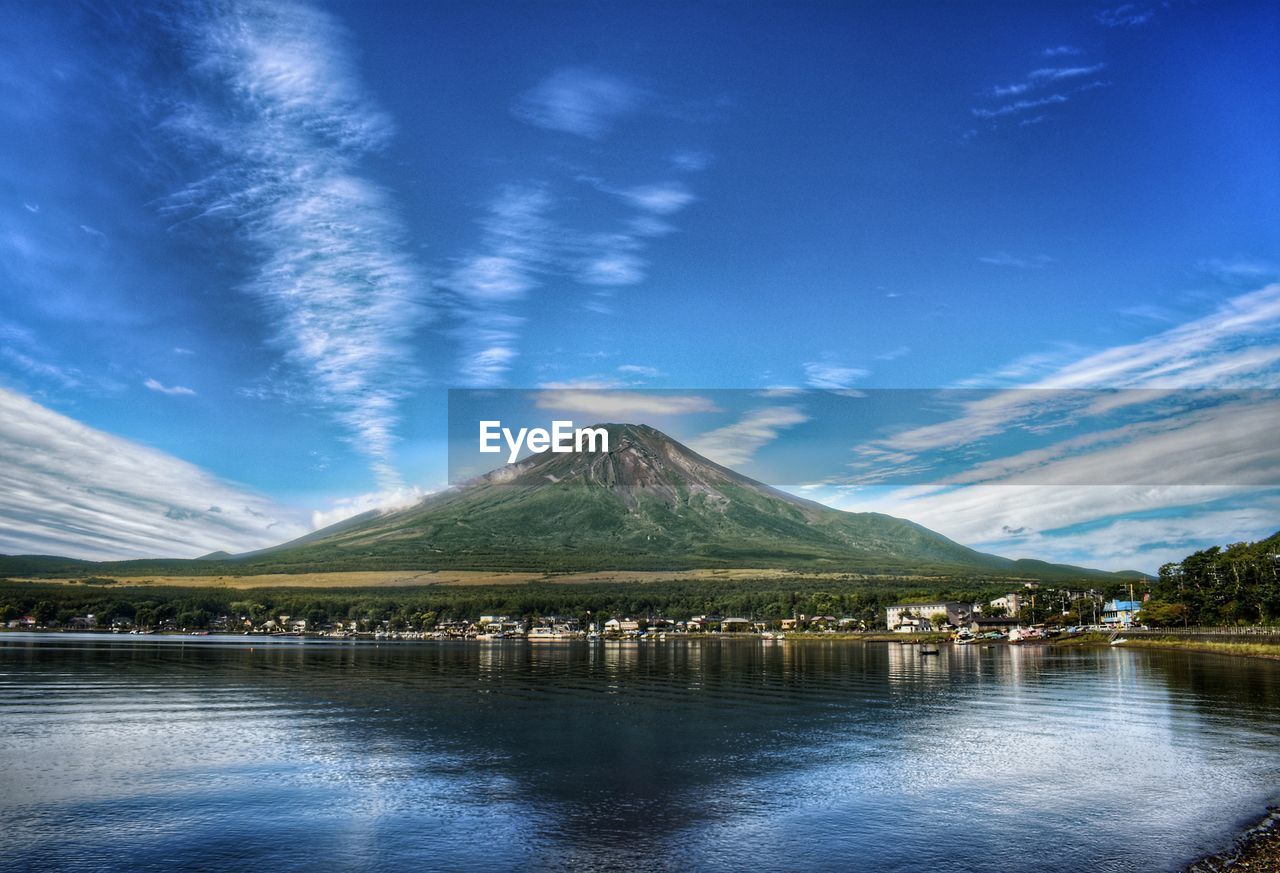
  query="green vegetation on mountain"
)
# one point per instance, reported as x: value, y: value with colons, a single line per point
x: 649, y: 503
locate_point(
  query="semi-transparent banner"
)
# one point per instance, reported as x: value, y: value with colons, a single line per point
x: 886, y: 437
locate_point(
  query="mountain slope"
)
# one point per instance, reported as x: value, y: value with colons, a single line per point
x: 649, y: 503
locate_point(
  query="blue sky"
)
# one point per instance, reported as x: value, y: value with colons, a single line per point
x: 246, y: 248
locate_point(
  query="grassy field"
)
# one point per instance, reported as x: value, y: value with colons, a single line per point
x: 1213, y: 647
x: 410, y: 578
x: 368, y: 579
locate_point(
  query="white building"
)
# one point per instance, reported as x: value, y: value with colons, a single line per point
x: 1012, y: 603
x: 621, y: 625
x: 910, y: 615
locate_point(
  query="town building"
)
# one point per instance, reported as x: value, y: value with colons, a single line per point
x: 1120, y: 613
x: 622, y: 625
x: 1011, y: 603
x: 957, y: 614
x: 982, y: 624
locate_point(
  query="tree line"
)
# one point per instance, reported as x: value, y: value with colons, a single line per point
x: 420, y: 607
x: 1236, y: 584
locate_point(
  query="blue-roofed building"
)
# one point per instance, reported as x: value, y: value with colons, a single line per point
x: 1120, y: 613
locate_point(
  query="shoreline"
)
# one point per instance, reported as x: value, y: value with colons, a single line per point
x: 1258, y: 650
x: 1269, y: 651
x: 1256, y: 849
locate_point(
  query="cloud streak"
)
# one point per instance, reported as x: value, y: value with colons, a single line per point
x: 523, y: 246
x: 1004, y: 259
x: 1060, y: 78
x: 1179, y: 475
x: 68, y: 489
x: 172, y: 390
x: 832, y: 377
x: 1126, y: 15
x: 580, y: 101
x: 285, y: 135
x: 736, y: 444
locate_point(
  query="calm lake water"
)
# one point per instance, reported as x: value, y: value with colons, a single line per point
x: 155, y: 753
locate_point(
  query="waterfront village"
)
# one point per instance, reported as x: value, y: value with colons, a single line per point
x: 1026, y: 614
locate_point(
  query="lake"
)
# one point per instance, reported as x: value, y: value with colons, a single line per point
x: 165, y: 753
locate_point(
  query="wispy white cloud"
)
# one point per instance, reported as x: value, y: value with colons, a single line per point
x: 663, y: 198
x: 691, y: 160
x: 832, y: 377
x: 1025, y: 262
x: 625, y: 376
x: 894, y: 353
x: 1011, y: 90
x: 613, y: 268
x: 518, y: 242
x: 1125, y: 15
x: 526, y: 243
x: 1054, y: 74
x: 68, y: 489
x: 1194, y: 460
x: 524, y: 246
x: 22, y: 351
x: 1109, y: 526
x: 1247, y: 271
x: 1059, y: 78
x: 378, y: 501
x: 1148, y: 312
x: 487, y: 341
x: 173, y: 390
x: 580, y: 101
x: 1018, y: 106
x: 284, y: 121
x: 736, y: 444
x: 639, y: 370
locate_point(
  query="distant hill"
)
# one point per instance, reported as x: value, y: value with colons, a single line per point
x: 649, y: 503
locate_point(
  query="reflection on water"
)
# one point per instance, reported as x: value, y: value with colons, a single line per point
x: 162, y: 753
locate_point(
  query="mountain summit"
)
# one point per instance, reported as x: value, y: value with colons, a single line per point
x: 648, y: 503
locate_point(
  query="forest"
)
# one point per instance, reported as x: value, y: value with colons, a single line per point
x: 418, y: 608
x: 1236, y: 584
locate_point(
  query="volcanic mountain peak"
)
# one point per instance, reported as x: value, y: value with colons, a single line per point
x: 648, y: 502
x: 641, y: 463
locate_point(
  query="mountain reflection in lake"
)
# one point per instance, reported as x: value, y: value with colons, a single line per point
x: 163, y: 753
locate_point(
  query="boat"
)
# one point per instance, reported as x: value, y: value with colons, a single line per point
x: 547, y: 634
x: 965, y: 637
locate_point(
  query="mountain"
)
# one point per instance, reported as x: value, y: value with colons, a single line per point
x: 649, y: 503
